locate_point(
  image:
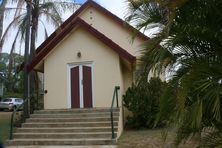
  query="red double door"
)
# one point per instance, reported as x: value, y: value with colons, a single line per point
x: 81, y: 87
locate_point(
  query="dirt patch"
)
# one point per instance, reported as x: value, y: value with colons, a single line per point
x: 149, y: 139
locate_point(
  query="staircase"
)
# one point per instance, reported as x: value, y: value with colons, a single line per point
x: 67, y: 127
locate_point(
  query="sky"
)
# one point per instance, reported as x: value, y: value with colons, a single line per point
x: 118, y: 7
x: 80, y: 1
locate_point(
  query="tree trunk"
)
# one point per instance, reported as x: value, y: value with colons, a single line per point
x: 9, y: 76
x: 33, y: 75
x: 35, y: 17
x: 26, y: 59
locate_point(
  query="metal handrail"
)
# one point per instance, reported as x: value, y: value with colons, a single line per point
x: 12, y: 118
x: 115, y: 95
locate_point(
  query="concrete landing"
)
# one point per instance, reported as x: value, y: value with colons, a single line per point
x: 94, y: 146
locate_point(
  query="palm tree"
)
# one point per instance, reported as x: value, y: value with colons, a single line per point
x: 41, y: 9
x: 191, y: 54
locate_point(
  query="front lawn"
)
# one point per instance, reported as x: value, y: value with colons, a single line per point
x: 148, y: 139
x: 4, y: 125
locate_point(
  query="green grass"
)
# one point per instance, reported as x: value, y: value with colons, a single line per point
x: 4, y: 126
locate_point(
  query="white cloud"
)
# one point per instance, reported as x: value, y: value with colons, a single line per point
x: 117, y: 7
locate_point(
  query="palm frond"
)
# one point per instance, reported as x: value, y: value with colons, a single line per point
x: 51, y: 13
x: 45, y: 29
x: 20, y: 5
x: 212, y: 137
x: 14, y: 23
x: 191, y: 53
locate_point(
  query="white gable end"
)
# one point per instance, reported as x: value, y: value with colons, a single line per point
x: 117, y: 33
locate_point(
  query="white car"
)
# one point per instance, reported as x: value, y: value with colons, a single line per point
x: 10, y: 103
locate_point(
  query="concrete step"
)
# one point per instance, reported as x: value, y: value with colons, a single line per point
x: 65, y: 130
x: 68, y: 115
x: 65, y: 111
x: 62, y: 135
x: 72, y: 127
x: 68, y: 124
x: 85, y: 119
x: 25, y: 142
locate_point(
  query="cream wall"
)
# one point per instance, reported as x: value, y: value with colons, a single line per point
x: 126, y: 79
x: 120, y: 35
x: 106, y: 69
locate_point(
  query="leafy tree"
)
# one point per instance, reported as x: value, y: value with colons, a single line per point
x: 191, y: 54
x: 3, y: 64
x: 14, y: 81
x: 143, y: 99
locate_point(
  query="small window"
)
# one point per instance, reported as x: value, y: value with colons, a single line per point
x: 7, y: 100
x: 18, y: 100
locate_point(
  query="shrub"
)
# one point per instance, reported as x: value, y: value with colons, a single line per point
x: 143, y: 101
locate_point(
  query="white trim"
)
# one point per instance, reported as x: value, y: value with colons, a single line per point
x: 81, y: 86
x: 68, y: 87
x: 92, y: 75
x: 69, y: 67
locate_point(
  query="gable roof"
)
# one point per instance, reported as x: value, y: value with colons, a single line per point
x: 100, y: 9
x: 78, y: 22
x: 91, y: 3
x: 74, y: 21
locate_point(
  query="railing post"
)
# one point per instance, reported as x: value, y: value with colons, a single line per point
x: 112, y: 126
x: 117, y: 100
x: 11, y: 127
x: 115, y: 94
